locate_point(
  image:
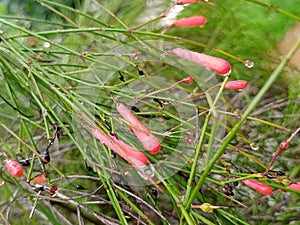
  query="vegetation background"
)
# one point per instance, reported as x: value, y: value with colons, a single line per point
x: 53, y: 54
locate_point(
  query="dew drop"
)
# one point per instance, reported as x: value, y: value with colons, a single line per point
x: 146, y: 171
x: 254, y: 146
x: 181, y: 198
x: 44, y: 112
x: 46, y: 44
x: 248, y: 63
x: 238, y: 113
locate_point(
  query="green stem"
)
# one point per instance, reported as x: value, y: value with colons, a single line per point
x: 195, y: 161
x: 117, y: 30
x: 201, y: 139
x: 115, y: 202
x: 275, y: 8
x: 214, y: 113
x: 135, y: 207
x: 185, y: 214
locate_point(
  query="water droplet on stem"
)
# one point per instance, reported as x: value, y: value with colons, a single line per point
x: 248, y: 63
x: 146, y: 171
x: 44, y: 112
x: 254, y: 146
x: 46, y: 44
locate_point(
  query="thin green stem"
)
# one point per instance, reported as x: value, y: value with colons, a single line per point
x: 195, y: 161
x: 115, y: 202
x: 214, y: 113
x: 275, y: 8
x: 169, y: 188
x: 62, y: 6
x: 120, y: 30
x: 135, y: 207
x: 201, y: 139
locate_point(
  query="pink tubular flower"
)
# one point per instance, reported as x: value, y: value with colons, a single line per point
x: 190, y: 21
x: 295, y: 186
x: 235, y: 84
x: 264, y: 189
x: 149, y: 141
x: 13, y: 167
x: 218, y: 65
x: 183, y: 2
x: 130, y: 154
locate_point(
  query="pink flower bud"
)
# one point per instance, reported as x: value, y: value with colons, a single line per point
x: 130, y: 154
x: 188, y: 80
x: 183, y: 2
x: 13, y: 167
x: 295, y: 186
x: 284, y: 145
x: 190, y: 21
x: 264, y: 189
x: 39, y: 180
x: 235, y: 84
x: 218, y: 65
x: 149, y: 141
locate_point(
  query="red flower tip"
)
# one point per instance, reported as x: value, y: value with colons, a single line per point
x: 238, y: 85
x: 183, y: 2
x: 264, y: 189
x: 155, y: 149
x: 218, y: 65
x: 188, y: 80
x: 13, y: 167
x: 190, y: 21
x: 295, y: 186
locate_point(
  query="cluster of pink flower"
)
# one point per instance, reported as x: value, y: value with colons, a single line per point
x: 218, y: 65
x: 136, y: 158
x: 189, y: 21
